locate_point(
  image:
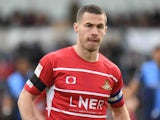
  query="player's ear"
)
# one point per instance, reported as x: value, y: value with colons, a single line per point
x: 75, y: 26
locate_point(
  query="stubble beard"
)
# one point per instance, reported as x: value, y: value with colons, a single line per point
x: 91, y: 48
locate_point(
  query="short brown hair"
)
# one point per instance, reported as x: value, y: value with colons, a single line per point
x: 91, y: 9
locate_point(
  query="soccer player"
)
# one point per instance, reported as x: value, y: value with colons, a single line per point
x: 79, y: 81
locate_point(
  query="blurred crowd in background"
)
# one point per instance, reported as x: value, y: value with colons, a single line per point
x: 34, y: 18
x: 126, y: 44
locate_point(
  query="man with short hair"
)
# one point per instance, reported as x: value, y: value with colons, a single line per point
x: 79, y: 81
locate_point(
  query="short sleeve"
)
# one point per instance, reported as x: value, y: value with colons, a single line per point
x: 42, y: 78
x: 116, y: 98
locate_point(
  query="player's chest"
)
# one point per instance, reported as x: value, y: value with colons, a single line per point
x: 83, y: 80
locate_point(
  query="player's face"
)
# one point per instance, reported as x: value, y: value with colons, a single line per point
x: 91, y: 29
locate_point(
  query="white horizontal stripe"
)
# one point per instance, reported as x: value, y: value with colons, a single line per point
x: 85, y: 70
x: 77, y: 114
x: 115, y: 98
x: 80, y: 92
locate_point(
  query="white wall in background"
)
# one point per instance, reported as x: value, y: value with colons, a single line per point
x: 142, y: 40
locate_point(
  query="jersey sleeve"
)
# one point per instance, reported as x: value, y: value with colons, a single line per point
x: 42, y: 78
x: 116, y: 99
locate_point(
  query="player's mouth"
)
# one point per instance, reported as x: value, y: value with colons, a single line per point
x: 93, y: 40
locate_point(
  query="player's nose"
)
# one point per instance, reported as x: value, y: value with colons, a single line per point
x: 94, y: 32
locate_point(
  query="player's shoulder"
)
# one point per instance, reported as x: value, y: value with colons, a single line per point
x: 58, y: 53
x: 110, y: 65
x: 108, y: 62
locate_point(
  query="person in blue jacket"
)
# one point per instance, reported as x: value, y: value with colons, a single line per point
x: 18, y: 78
x: 147, y: 84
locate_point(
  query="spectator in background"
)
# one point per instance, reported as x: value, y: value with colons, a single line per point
x: 32, y: 51
x: 17, y: 79
x: 7, y: 111
x: 149, y: 79
x: 6, y: 103
x: 16, y: 82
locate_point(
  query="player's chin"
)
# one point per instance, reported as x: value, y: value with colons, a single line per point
x: 92, y: 49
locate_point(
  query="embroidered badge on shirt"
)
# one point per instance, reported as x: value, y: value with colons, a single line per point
x: 107, y: 86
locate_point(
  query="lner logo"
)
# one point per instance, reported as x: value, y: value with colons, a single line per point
x: 87, y: 103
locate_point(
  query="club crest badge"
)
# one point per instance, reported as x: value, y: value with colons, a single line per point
x: 107, y: 86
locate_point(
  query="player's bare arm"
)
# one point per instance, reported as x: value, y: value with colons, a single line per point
x: 25, y: 104
x: 120, y: 113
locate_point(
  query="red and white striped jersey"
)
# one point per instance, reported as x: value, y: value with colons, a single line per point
x: 76, y: 89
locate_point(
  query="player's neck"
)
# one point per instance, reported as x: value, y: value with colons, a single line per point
x: 87, y: 55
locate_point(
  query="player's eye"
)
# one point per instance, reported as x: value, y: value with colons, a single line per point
x: 100, y: 26
x: 88, y: 25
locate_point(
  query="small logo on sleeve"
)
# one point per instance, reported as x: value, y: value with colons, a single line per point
x: 107, y: 86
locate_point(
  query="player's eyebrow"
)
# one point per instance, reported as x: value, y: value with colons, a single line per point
x: 89, y: 24
x: 101, y: 24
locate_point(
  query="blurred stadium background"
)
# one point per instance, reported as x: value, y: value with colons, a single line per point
x: 33, y: 28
